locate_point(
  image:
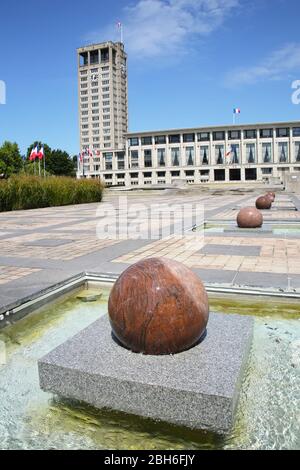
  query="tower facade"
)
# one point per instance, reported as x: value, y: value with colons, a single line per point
x: 103, y: 105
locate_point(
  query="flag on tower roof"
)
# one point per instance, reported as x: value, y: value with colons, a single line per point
x: 236, y: 111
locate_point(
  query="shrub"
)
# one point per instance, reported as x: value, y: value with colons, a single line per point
x: 32, y: 192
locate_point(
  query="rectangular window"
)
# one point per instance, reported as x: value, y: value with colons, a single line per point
x: 134, y: 159
x: 83, y: 93
x: 95, y: 118
x: 147, y: 158
x: 160, y: 139
x: 282, y: 132
x: 106, y: 124
x: 105, y: 103
x: 105, y: 82
x: 219, y: 135
x: 161, y: 157
x: 267, y: 171
x: 189, y: 156
x: 175, y: 173
x: 297, y: 152
x: 85, y: 126
x: 250, y: 153
x: 121, y: 160
x: 147, y: 174
x: 250, y: 134
x: 134, y: 141
x: 106, y: 116
x: 235, y: 154
x: 84, y: 85
x: 106, y: 138
x: 219, y: 154
x: 95, y: 84
x: 174, y: 139
x: 203, y: 136
x: 204, y: 154
x: 94, y: 57
x: 296, y: 131
x: 95, y: 104
x: 283, y: 152
x: 95, y: 111
x: 95, y: 90
x: 134, y: 175
x: 108, y: 160
x: 266, y: 133
x: 107, y: 146
x: 267, y: 153
x: 146, y: 140
x: 95, y: 125
x: 234, y: 135
x: 175, y: 156
x: 188, y: 137
x: 161, y: 174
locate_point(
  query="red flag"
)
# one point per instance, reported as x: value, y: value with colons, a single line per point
x: 34, y: 154
x: 41, y: 153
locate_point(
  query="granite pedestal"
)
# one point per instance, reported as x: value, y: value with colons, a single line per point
x: 197, y: 388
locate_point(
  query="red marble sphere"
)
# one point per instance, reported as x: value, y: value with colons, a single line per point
x: 263, y: 202
x: 158, y: 306
x: 249, y: 217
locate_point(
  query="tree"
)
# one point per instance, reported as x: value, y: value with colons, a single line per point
x: 10, y: 159
x: 60, y: 163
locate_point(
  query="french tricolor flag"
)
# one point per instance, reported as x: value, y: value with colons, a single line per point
x: 236, y: 111
x: 34, y: 154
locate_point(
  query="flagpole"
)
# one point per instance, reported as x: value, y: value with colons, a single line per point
x: 44, y: 165
x: 39, y: 167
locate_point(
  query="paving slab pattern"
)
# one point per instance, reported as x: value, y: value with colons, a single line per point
x: 40, y: 247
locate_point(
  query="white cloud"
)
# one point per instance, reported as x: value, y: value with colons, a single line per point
x: 164, y: 28
x: 277, y: 66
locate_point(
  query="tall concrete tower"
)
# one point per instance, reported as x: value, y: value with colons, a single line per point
x: 103, y: 106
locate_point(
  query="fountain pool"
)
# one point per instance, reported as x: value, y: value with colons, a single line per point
x: 268, y: 409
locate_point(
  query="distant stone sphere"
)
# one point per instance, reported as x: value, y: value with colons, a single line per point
x: 263, y: 202
x: 271, y: 197
x: 249, y: 217
x: 158, y: 306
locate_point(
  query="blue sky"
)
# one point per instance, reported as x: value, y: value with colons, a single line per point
x: 190, y: 62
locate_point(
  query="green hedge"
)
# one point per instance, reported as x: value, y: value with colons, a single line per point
x: 31, y: 192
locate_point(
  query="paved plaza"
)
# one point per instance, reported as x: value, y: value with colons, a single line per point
x: 42, y: 247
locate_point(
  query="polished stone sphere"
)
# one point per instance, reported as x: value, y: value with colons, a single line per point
x: 249, y: 217
x: 263, y: 202
x: 271, y: 197
x: 158, y: 306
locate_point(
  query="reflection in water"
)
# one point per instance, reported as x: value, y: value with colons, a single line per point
x: 267, y: 411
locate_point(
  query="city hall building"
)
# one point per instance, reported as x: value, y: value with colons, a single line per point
x: 248, y: 152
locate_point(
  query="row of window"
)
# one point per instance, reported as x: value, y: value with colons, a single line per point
x: 218, y: 135
x: 233, y: 156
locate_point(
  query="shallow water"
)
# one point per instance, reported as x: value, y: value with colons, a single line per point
x: 268, y: 410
